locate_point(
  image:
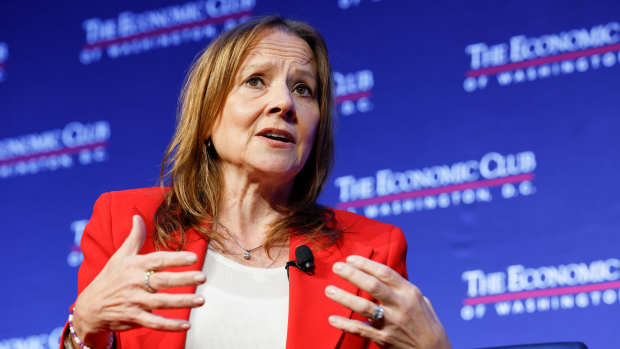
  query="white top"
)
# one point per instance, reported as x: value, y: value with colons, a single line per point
x: 245, y: 307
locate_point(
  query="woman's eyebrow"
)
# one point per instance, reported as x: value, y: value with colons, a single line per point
x: 265, y: 66
x: 305, y: 73
x: 256, y: 67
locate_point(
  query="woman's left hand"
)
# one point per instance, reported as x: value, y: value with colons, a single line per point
x: 409, y: 320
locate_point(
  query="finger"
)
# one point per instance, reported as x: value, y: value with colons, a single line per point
x: 166, y: 259
x: 134, y: 241
x: 366, y: 282
x: 431, y: 309
x: 161, y: 323
x: 378, y: 270
x: 163, y: 280
x: 359, y: 328
x: 359, y: 305
x: 172, y: 301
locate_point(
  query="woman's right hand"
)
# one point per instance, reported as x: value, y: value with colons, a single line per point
x: 117, y: 299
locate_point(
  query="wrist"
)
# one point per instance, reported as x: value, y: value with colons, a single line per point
x: 84, y: 335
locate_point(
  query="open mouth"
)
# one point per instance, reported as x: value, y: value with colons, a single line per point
x: 278, y: 135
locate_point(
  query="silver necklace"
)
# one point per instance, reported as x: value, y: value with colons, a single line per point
x: 275, y: 259
x: 247, y: 252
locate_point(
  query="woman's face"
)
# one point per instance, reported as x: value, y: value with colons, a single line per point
x: 270, y: 116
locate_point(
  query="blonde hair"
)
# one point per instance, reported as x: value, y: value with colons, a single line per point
x: 195, y: 179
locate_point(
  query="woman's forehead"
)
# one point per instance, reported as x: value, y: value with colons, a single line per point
x: 279, y: 44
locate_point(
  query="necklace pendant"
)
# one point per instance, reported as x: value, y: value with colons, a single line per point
x: 246, y: 255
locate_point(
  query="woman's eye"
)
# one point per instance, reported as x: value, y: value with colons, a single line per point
x: 303, y: 90
x: 254, y: 81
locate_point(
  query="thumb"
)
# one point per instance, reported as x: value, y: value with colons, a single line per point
x: 135, y: 239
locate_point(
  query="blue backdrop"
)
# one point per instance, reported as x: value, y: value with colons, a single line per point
x: 488, y: 131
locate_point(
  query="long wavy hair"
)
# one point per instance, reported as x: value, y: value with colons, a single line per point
x: 192, y: 168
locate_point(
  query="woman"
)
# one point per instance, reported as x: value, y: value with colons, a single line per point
x: 249, y: 158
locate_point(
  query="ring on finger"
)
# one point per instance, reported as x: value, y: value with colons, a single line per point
x: 147, y: 285
x: 377, y: 314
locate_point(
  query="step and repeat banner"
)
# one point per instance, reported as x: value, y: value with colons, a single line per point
x: 488, y: 131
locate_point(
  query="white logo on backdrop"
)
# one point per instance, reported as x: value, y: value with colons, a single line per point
x: 134, y: 33
x: 346, y: 4
x: 4, y: 56
x: 522, y: 290
x: 352, y: 91
x: 526, y: 59
x: 51, y: 150
x: 40, y: 341
x: 391, y: 192
x: 75, y: 256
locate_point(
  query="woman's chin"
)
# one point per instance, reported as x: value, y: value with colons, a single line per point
x: 281, y: 171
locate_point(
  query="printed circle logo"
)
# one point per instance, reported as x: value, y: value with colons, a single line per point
x: 528, y: 59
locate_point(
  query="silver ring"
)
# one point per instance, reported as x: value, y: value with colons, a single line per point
x: 377, y: 314
x: 147, y: 276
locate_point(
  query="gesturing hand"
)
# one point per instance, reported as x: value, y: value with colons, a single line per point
x: 409, y: 320
x: 117, y: 299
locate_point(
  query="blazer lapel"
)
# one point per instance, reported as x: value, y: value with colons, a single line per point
x: 148, y: 338
x: 309, y: 308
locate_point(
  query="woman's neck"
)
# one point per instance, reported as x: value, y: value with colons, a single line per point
x: 249, y: 205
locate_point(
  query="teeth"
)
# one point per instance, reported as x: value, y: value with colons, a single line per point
x: 277, y: 137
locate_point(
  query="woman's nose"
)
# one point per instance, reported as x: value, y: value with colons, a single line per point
x: 282, y: 103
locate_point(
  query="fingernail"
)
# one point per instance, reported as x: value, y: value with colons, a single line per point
x: 200, y: 277
x: 339, y: 266
x: 332, y: 319
x: 198, y: 300
x: 353, y: 258
x: 330, y: 290
x: 185, y: 326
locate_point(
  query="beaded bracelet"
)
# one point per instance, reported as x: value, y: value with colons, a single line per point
x: 77, y: 339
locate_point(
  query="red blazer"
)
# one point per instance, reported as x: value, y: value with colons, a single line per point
x: 309, y: 308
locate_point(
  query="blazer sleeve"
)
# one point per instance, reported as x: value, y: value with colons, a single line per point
x: 397, y: 260
x: 97, y: 246
x: 397, y: 254
x: 97, y: 242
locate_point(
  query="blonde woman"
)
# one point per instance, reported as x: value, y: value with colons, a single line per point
x: 200, y: 263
